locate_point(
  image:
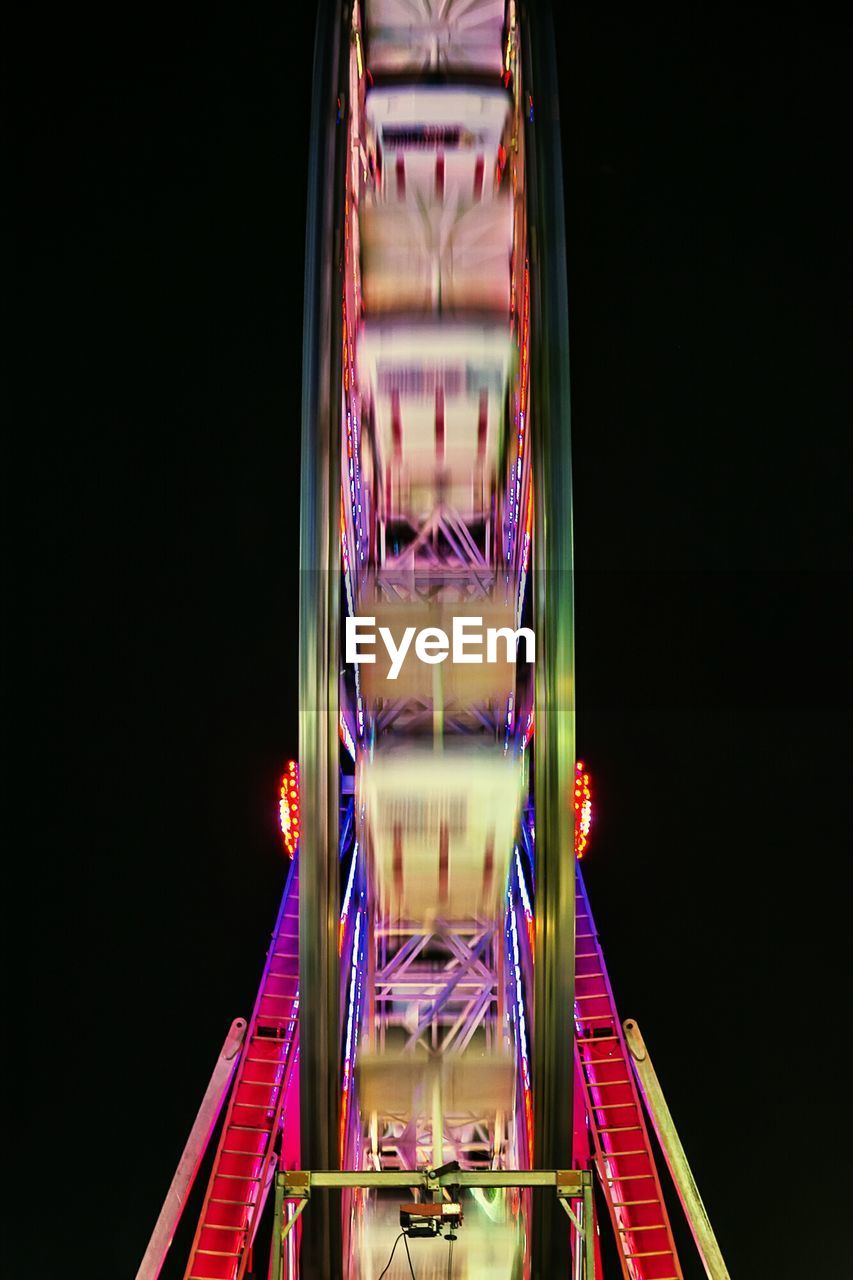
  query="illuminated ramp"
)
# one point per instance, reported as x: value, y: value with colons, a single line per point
x: 621, y: 1144
x: 264, y: 1100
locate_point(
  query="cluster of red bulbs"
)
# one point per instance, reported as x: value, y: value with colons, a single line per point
x: 288, y: 807
x: 290, y: 823
x: 582, y: 802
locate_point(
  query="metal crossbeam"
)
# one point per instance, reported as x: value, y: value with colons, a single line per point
x: 457, y: 993
x: 424, y: 551
x: 568, y: 1183
x: 573, y: 1189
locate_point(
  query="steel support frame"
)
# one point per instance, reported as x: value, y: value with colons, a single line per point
x: 423, y: 567
x: 572, y: 1188
x: 319, y: 607
x: 442, y: 522
x: 554, y: 746
x: 455, y: 1001
x: 674, y: 1154
x: 193, y: 1153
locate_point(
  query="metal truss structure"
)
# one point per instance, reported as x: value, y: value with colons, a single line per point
x: 434, y: 1013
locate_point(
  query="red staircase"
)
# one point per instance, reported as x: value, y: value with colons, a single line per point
x: 621, y: 1146
x: 266, y: 1086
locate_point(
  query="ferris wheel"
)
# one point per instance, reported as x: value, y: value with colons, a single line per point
x: 434, y: 1079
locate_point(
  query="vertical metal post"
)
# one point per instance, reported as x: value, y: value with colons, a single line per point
x: 588, y: 1231
x: 277, y: 1246
x: 554, y: 751
x: 319, y: 591
x: 682, y: 1175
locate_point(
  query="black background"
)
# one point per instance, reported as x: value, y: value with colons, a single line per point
x: 154, y: 523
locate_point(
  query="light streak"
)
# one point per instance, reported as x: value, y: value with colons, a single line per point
x: 521, y: 1027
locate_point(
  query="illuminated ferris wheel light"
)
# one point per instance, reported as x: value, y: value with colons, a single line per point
x: 288, y: 807
x: 582, y: 804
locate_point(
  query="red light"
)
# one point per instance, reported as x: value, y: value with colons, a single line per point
x: 288, y: 807
x: 583, y: 809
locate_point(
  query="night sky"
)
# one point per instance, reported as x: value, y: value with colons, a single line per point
x: 153, y: 628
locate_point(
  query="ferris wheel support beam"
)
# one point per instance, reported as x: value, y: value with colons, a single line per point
x: 554, y: 625
x: 319, y: 563
x: 674, y: 1154
x: 193, y: 1153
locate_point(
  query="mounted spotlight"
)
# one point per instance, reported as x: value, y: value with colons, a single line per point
x: 429, y: 1220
